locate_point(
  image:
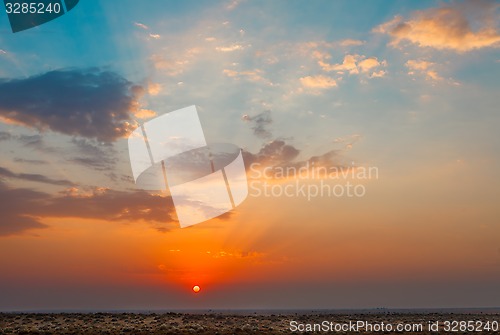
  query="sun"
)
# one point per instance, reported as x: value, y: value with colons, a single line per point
x: 196, y: 289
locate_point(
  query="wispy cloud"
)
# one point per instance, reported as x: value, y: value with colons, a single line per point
x: 170, y: 66
x: 319, y: 81
x: 254, y: 75
x: 230, y: 48
x: 38, y: 178
x: 351, y: 42
x: 30, y: 161
x: 141, y: 25
x: 422, y: 67
x: 233, y: 4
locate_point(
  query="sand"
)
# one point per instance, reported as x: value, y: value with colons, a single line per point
x: 217, y: 323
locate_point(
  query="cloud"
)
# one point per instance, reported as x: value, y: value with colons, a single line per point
x: 5, y: 136
x: 369, y: 63
x: 433, y: 75
x: 233, y: 4
x: 260, y: 122
x: 24, y: 209
x: 154, y: 88
x: 141, y: 25
x: 14, y: 207
x: 4, y: 172
x: 278, y: 153
x: 144, y: 114
x: 460, y: 27
x: 101, y: 157
x: 171, y: 67
x: 274, y: 153
x: 422, y: 67
x: 230, y: 48
x: 30, y: 161
x: 319, y: 81
x: 351, y: 42
x: 89, y: 103
x: 348, y: 141
x: 33, y: 141
x: 378, y: 74
x: 321, y: 55
x: 348, y: 64
x: 356, y: 64
x: 254, y: 75
x: 112, y: 205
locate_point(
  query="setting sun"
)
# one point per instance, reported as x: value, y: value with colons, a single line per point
x: 196, y: 289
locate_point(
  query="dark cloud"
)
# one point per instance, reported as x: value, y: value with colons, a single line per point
x: 5, y: 136
x: 89, y: 152
x: 112, y: 176
x: 91, y: 148
x: 24, y: 209
x: 14, y: 207
x: 273, y: 153
x: 91, y: 103
x: 30, y: 161
x: 91, y: 162
x: 34, y: 177
x: 278, y: 153
x: 260, y: 122
x: 30, y: 140
x: 111, y: 205
x: 35, y: 142
x: 100, y: 156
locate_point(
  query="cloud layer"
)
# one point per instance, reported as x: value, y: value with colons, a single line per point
x: 4, y: 172
x: 24, y: 209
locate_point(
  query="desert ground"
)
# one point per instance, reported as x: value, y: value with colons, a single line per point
x: 226, y: 323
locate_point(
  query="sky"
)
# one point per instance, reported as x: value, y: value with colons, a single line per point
x: 405, y: 89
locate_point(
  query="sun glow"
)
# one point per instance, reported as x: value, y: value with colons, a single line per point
x: 196, y: 289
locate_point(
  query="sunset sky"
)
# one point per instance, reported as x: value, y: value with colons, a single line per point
x: 410, y: 88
